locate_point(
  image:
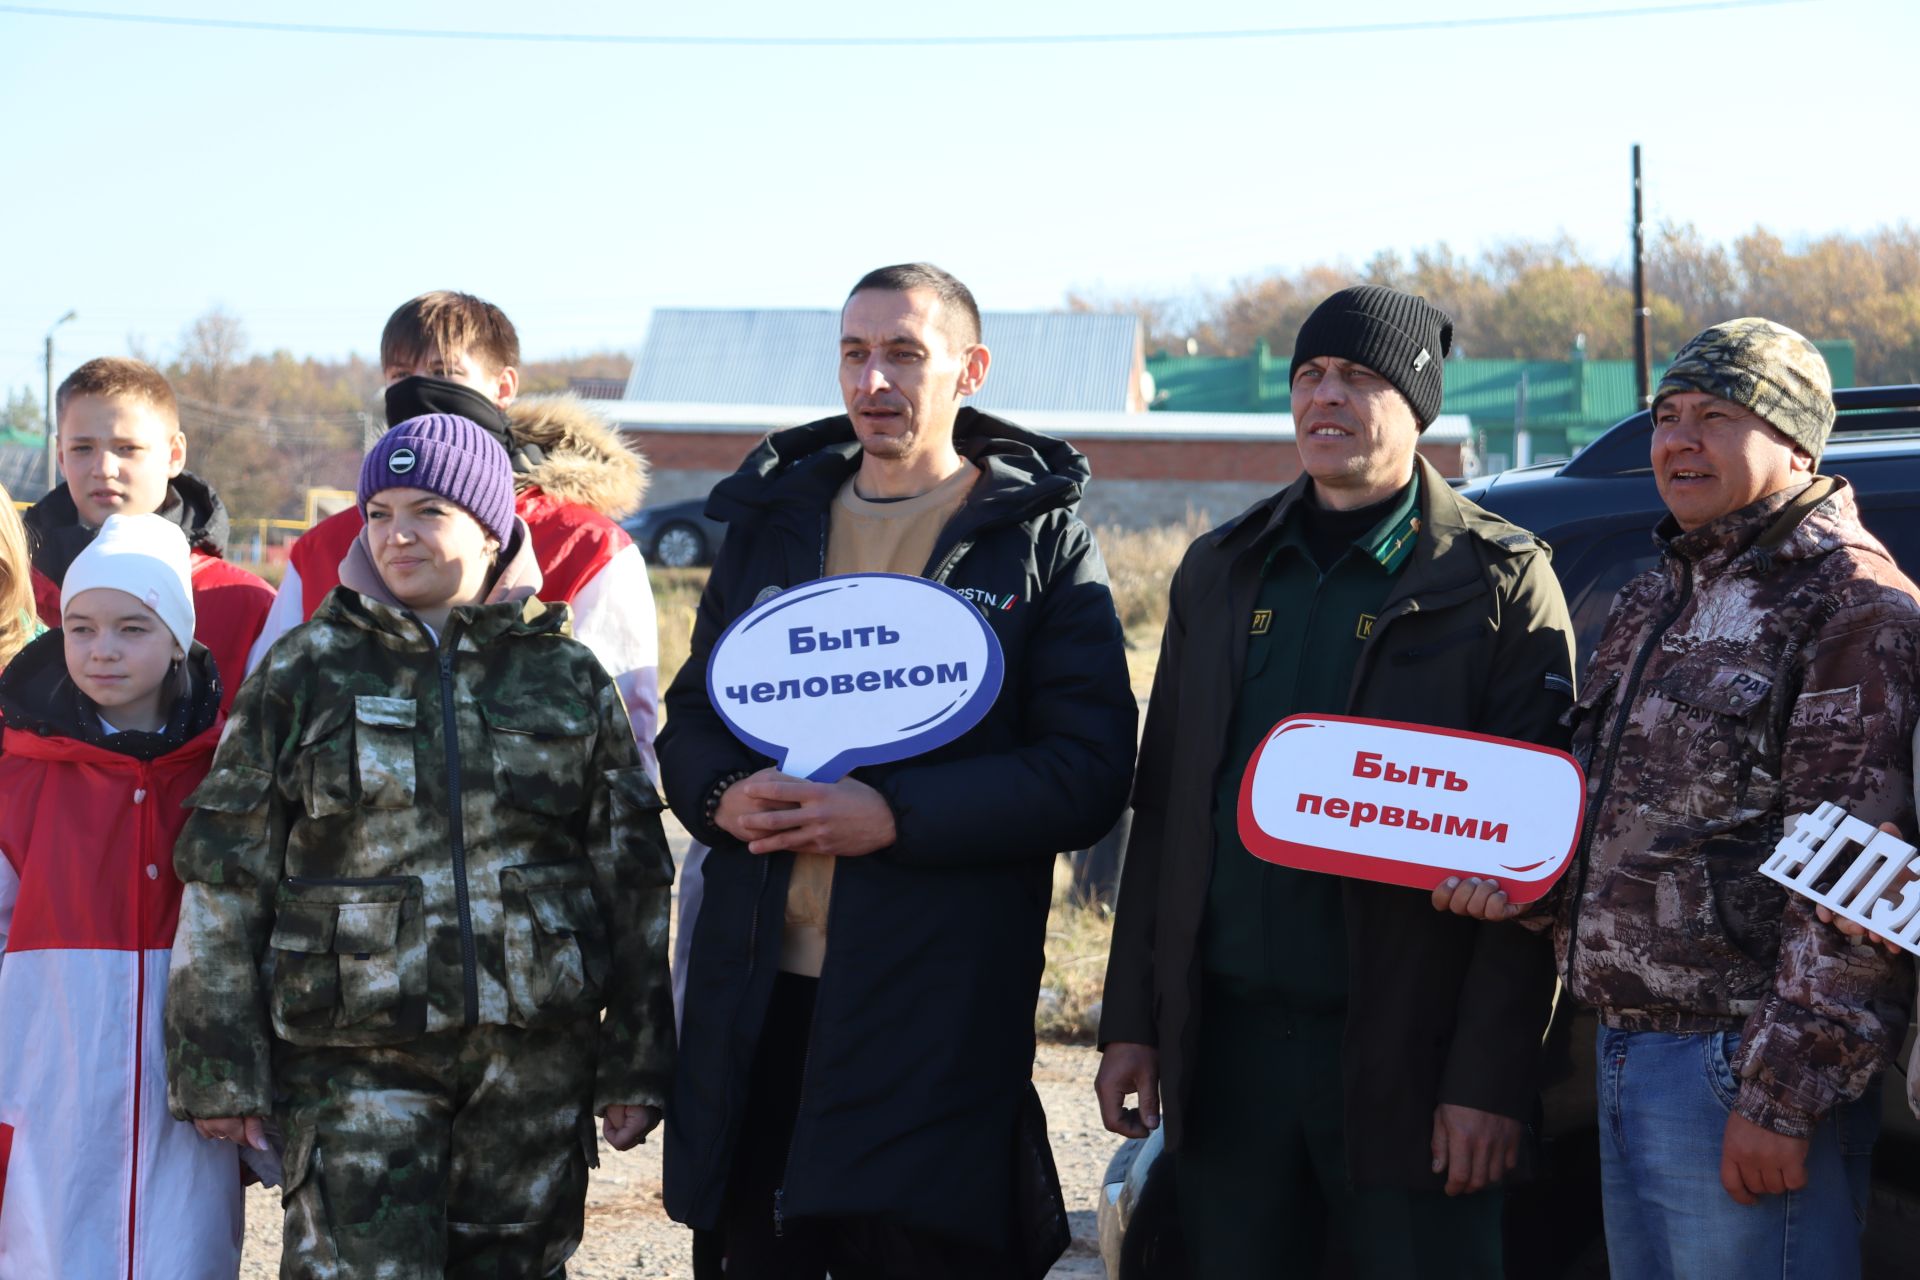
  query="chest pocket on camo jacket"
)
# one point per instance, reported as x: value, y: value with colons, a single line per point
x: 541, y: 756
x: 1719, y: 721
x: 361, y: 756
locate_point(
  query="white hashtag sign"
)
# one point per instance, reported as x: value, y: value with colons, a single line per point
x: 1871, y: 862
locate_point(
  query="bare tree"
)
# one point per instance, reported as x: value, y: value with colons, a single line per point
x: 211, y: 347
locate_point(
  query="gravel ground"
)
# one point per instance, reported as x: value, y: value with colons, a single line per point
x: 629, y: 1234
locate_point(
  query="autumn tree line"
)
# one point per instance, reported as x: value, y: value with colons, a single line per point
x: 1529, y: 300
x: 266, y: 427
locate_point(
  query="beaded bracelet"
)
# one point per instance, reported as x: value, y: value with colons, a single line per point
x: 719, y: 789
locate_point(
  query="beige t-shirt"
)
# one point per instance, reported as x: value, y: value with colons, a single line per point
x: 863, y: 536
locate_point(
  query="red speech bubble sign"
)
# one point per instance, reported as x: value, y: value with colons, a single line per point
x: 1411, y: 805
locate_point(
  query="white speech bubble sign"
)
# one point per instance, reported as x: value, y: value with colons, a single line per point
x: 1411, y: 805
x: 1853, y: 869
x: 855, y: 669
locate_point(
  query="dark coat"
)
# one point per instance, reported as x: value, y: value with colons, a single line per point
x: 921, y: 1053
x: 1473, y: 636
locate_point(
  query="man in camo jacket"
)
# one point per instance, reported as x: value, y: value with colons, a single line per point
x: 1766, y: 665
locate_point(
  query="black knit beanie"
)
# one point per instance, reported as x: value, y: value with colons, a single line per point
x: 1400, y: 336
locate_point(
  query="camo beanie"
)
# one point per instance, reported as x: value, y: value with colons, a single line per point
x: 1400, y: 336
x: 448, y: 455
x: 1763, y: 367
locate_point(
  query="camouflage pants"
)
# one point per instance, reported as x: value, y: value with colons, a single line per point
x: 463, y: 1153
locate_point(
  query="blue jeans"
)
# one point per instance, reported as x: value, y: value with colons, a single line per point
x: 1664, y: 1101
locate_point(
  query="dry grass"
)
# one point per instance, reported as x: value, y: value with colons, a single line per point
x: 1070, y: 987
x: 676, y: 595
x: 1140, y: 565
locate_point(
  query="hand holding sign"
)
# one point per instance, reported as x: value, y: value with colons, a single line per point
x: 1866, y: 877
x: 1411, y: 805
x: 857, y: 669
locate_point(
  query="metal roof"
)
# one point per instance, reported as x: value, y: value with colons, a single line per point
x: 1082, y: 361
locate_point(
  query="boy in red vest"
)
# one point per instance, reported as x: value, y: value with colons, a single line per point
x: 122, y: 453
x: 446, y: 352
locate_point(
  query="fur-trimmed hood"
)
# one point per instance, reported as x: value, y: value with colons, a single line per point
x: 585, y: 462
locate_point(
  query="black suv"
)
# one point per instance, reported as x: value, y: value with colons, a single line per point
x: 1597, y: 510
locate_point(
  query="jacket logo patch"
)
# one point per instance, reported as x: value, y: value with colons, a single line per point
x: 766, y: 594
x: 1364, y: 627
x: 988, y: 601
x: 1262, y: 622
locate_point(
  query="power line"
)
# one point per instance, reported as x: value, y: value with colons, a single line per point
x: 891, y: 42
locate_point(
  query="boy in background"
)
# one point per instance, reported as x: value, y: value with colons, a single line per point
x: 122, y: 453
x: 447, y: 352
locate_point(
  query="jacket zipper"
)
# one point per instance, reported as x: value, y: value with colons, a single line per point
x: 800, y: 1103
x: 945, y: 567
x: 786, y: 1166
x: 806, y: 1060
x: 939, y: 574
x: 143, y: 792
x: 1620, y: 713
x: 469, y: 965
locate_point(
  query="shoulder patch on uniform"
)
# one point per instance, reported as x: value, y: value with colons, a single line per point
x: 766, y: 594
x: 1558, y: 683
x: 1515, y: 541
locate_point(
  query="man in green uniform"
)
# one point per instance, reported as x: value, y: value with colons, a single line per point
x: 1333, y: 1067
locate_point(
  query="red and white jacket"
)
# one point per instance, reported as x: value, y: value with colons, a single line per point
x: 96, y: 1179
x: 587, y: 561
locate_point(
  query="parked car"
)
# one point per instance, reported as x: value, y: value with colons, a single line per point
x: 1597, y: 510
x: 677, y: 535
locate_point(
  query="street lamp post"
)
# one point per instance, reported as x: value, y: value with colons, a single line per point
x: 53, y: 447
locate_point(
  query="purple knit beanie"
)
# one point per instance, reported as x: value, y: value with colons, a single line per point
x: 451, y: 456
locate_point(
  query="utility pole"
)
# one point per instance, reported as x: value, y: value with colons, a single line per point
x: 1640, y: 309
x: 53, y: 447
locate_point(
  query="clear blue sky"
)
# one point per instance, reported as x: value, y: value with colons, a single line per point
x: 311, y: 182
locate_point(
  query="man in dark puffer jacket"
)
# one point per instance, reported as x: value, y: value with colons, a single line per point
x: 855, y: 1084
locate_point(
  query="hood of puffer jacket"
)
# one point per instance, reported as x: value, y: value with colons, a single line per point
x: 1797, y: 524
x: 37, y: 696
x: 56, y: 535
x: 585, y: 461
x: 518, y: 578
x: 1022, y: 473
